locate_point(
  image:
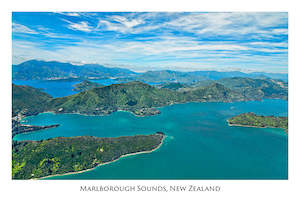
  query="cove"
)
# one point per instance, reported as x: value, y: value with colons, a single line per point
x: 199, y: 143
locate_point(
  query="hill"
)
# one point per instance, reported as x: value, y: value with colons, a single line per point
x: 86, y: 85
x: 164, y: 76
x: 213, y: 93
x: 52, y: 70
x: 253, y: 120
x: 28, y: 100
x: 142, y: 99
x: 132, y: 96
x: 216, y: 75
x: 172, y: 86
x: 257, y: 88
x: 168, y: 76
x: 35, y: 159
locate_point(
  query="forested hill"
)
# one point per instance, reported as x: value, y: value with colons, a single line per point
x: 253, y: 120
x: 132, y: 96
x: 52, y: 70
x: 141, y: 99
x: 85, y: 85
x: 28, y: 100
x: 35, y: 159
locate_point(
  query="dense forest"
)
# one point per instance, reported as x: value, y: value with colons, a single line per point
x: 85, y: 85
x: 34, y: 159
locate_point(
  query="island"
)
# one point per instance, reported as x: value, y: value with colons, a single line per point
x: 252, y: 120
x: 85, y: 85
x: 65, y: 155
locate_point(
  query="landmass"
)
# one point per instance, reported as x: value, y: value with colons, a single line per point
x: 53, y: 70
x: 169, y: 76
x: 142, y: 99
x: 85, y: 85
x: 252, y: 120
x: 18, y: 128
x: 58, y: 156
x: 36, y: 159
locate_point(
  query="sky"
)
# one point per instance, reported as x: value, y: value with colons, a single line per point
x: 143, y: 41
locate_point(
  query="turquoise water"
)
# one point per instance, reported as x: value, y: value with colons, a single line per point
x: 199, y: 143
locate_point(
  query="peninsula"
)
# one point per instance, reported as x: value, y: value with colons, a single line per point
x: 58, y: 156
x: 142, y: 99
x: 18, y: 128
x: 252, y: 120
x: 85, y: 85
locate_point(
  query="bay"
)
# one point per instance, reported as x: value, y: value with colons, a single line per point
x: 199, y: 143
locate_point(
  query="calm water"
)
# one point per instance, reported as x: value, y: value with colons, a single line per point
x: 63, y: 88
x: 199, y: 144
x: 58, y: 88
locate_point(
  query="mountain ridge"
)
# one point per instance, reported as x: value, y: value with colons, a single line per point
x: 54, y: 70
x: 142, y: 99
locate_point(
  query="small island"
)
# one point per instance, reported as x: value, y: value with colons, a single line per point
x: 66, y: 155
x: 85, y: 85
x: 252, y: 120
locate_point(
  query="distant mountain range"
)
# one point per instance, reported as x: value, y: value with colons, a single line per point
x: 42, y: 70
x: 141, y: 99
x: 168, y: 76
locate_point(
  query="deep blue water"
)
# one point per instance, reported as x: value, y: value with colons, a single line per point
x: 58, y: 88
x: 199, y: 143
x: 63, y: 88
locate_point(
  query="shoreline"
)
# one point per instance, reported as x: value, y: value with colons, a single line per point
x: 174, y: 103
x: 122, y: 156
x: 249, y: 126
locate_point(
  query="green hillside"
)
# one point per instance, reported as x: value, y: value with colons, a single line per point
x: 34, y: 159
x: 251, y: 119
x: 257, y: 88
x: 131, y: 96
x: 28, y: 100
x: 142, y: 99
x: 85, y: 85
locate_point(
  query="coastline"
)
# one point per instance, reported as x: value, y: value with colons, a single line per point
x: 241, y: 125
x: 122, y: 156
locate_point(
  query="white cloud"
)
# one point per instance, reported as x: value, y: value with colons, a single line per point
x: 122, y: 24
x: 72, y: 14
x: 126, y: 22
x: 230, y: 23
x: 81, y: 26
x: 165, y: 50
x: 19, y: 28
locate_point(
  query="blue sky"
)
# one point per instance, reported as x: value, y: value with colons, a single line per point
x: 141, y: 41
